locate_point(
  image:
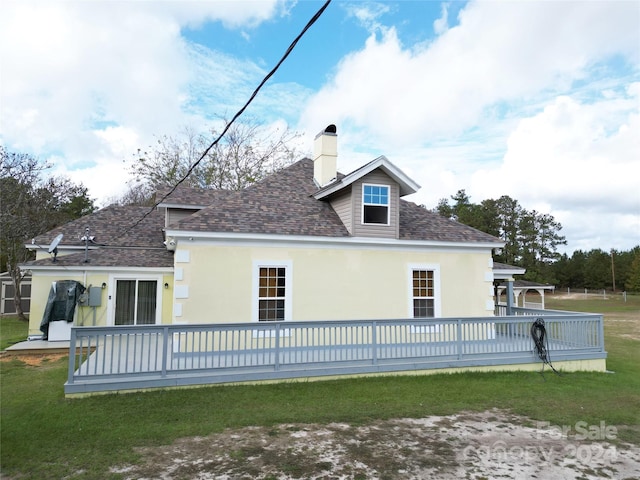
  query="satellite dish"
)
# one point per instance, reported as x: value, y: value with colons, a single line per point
x: 55, y: 243
x: 53, y: 248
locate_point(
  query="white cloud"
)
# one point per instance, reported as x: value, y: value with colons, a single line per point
x: 575, y: 154
x: 499, y: 51
x: 518, y: 98
x: 244, y: 14
x: 506, y: 93
x: 579, y: 162
x: 78, y: 64
x: 441, y: 24
x: 367, y: 14
x: 88, y: 77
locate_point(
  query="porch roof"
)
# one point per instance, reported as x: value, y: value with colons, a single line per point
x: 502, y: 271
x: 110, y: 257
x: 526, y: 285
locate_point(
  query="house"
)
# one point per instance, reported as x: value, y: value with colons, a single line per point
x: 308, y: 273
x: 306, y: 243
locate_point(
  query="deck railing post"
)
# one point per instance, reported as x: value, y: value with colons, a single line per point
x: 601, y: 332
x: 165, y: 350
x: 374, y: 343
x: 72, y: 355
x: 459, y: 342
x: 509, y: 297
x: 276, y: 364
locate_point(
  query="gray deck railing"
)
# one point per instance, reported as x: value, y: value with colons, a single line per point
x: 134, y: 357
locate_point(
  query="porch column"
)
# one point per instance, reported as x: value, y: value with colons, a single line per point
x: 509, y: 296
x: 541, y: 292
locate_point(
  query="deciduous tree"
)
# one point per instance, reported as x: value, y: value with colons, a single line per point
x: 246, y: 153
x: 30, y: 204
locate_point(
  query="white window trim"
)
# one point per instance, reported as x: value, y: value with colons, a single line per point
x: 111, y: 297
x: 388, y: 187
x: 437, y: 304
x: 288, y: 286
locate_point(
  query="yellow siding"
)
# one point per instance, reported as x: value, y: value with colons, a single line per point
x: 40, y: 287
x: 328, y: 283
x: 84, y: 315
x: 167, y: 299
x: 594, y: 365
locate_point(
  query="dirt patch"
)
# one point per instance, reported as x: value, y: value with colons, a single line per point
x: 623, y: 324
x: 34, y: 360
x: 476, y: 446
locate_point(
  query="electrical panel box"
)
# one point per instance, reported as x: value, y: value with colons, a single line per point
x: 95, y: 296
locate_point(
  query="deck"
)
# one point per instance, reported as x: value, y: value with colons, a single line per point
x: 162, y: 356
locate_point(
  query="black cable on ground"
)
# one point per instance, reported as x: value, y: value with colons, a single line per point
x: 541, y: 343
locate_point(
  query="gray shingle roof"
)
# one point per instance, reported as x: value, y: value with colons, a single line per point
x: 112, y: 226
x: 283, y: 204
x: 418, y: 223
x: 190, y: 196
x: 280, y: 204
x: 122, y: 242
x: 504, y: 266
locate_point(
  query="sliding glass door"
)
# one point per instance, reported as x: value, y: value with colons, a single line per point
x: 136, y: 302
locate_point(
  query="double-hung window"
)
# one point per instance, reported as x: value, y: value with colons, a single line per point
x: 272, y: 293
x: 375, y: 204
x: 423, y: 294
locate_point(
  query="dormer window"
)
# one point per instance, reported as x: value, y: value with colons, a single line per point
x: 375, y: 204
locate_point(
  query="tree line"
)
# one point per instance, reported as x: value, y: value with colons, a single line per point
x: 597, y: 269
x: 532, y: 240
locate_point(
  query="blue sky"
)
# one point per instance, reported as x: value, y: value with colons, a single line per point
x: 537, y: 100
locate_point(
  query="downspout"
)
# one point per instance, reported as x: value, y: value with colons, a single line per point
x: 84, y: 283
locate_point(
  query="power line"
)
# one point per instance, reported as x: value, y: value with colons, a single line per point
x: 313, y: 20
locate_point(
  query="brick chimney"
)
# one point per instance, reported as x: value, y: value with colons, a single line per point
x: 325, y: 156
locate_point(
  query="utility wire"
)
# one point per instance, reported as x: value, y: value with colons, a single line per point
x: 237, y: 115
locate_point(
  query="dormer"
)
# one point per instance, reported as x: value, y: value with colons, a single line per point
x: 368, y: 199
x: 184, y: 202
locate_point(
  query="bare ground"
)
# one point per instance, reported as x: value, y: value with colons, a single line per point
x: 623, y: 324
x: 489, y: 445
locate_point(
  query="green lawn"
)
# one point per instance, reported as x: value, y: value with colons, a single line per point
x: 45, y: 436
x: 611, y: 303
x: 12, y: 331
